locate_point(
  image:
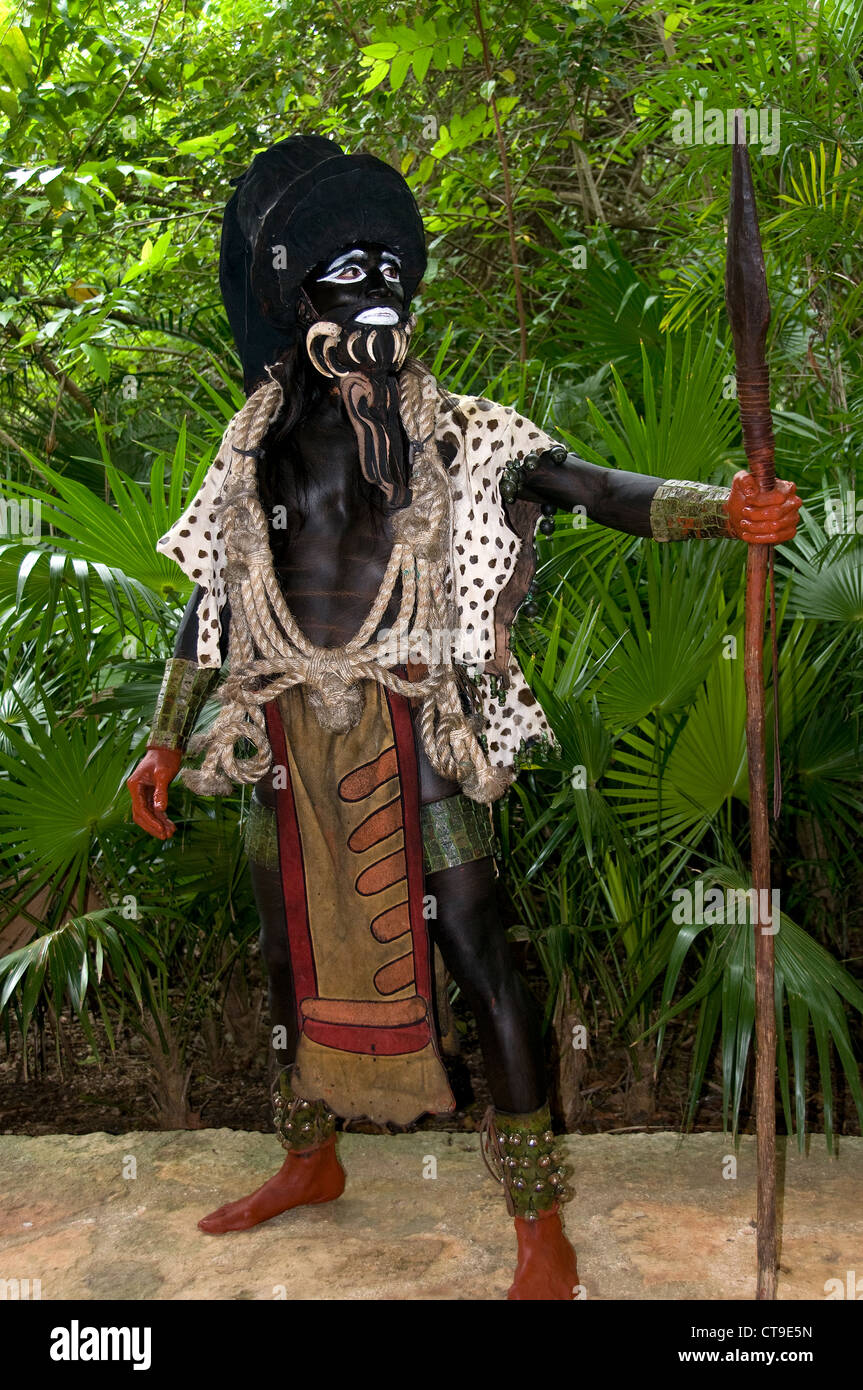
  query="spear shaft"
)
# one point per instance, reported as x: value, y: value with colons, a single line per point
x: 749, y: 314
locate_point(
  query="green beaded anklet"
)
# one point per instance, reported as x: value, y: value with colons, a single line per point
x: 519, y: 1152
x: 300, y: 1124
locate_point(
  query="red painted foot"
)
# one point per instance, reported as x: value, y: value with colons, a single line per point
x: 546, y: 1261
x: 304, y: 1179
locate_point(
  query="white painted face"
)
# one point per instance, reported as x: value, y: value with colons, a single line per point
x: 353, y: 267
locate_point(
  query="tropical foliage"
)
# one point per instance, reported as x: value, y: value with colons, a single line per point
x: 576, y: 259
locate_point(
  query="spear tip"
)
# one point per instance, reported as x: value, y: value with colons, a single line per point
x: 746, y: 295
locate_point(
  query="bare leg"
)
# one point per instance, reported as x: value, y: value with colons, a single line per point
x: 473, y: 944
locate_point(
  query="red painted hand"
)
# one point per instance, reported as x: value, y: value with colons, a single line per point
x: 762, y: 518
x: 149, y: 785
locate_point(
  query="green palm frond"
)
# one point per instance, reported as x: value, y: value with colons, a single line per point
x: 23, y: 692
x: 69, y: 964
x: 817, y: 989
x: 827, y: 781
x: 822, y: 207
x: 46, y: 596
x: 686, y: 424
x: 63, y: 791
x: 828, y: 583
x: 668, y: 650
x: 693, y: 293
x: 578, y: 814
x: 618, y: 312
x: 120, y: 537
x: 703, y: 767
x: 581, y: 560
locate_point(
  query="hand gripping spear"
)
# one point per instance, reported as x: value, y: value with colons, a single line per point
x: 749, y: 314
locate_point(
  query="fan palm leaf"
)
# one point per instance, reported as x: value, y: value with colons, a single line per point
x: 63, y: 792
x: 816, y: 987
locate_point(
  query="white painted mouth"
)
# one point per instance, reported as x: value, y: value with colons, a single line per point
x: 382, y: 316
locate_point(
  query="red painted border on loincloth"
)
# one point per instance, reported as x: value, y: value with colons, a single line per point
x: 409, y: 779
x: 291, y: 868
x: 381, y: 1042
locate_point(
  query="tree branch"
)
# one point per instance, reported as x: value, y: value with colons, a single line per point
x: 48, y: 365
x: 126, y: 85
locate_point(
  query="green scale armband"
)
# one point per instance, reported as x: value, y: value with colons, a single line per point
x: 184, y: 691
x: 455, y: 831
x: 681, y: 511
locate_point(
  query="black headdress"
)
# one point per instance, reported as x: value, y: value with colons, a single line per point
x: 300, y: 202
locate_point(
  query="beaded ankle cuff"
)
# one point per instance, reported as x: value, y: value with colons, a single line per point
x: 681, y: 511
x: 300, y: 1124
x: 519, y: 1152
x: 185, y: 687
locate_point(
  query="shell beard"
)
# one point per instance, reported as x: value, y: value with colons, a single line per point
x: 364, y: 359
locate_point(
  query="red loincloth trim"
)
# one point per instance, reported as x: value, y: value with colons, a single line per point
x: 291, y: 868
x: 380, y: 1042
x: 409, y: 778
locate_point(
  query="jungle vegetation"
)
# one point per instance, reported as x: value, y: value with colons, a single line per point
x: 576, y: 234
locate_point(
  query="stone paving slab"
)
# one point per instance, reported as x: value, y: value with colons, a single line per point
x: 653, y: 1218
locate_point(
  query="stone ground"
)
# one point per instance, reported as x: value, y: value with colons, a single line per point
x: 652, y: 1219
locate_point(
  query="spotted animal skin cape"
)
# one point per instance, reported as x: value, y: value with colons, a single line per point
x: 492, y: 560
x: 490, y: 569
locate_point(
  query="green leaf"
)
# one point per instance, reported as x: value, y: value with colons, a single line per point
x: 384, y: 51
x: 399, y: 70
x: 98, y: 360
x: 420, y: 62
x: 376, y: 76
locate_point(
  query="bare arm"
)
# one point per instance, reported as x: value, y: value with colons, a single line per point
x: 610, y: 496
x: 186, y: 643
x: 664, y: 509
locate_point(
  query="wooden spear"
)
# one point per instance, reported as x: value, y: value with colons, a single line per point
x: 749, y: 314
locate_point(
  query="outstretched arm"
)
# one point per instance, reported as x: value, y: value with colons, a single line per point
x: 665, y: 509
x: 610, y: 496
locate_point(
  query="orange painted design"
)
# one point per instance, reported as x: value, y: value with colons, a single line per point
x: 360, y: 783
x: 376, y: 827
x: 395, y: 976
x: 391, y: 924
x: 382, y: 875
x: 391, y: 1013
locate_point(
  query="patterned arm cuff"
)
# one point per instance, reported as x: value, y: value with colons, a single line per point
x: 185, y: 688
x: 681, y: 511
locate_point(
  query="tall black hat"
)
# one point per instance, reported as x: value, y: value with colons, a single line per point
x: 300, y: 202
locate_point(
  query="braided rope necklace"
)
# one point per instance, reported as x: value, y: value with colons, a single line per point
x: 268, y: 653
